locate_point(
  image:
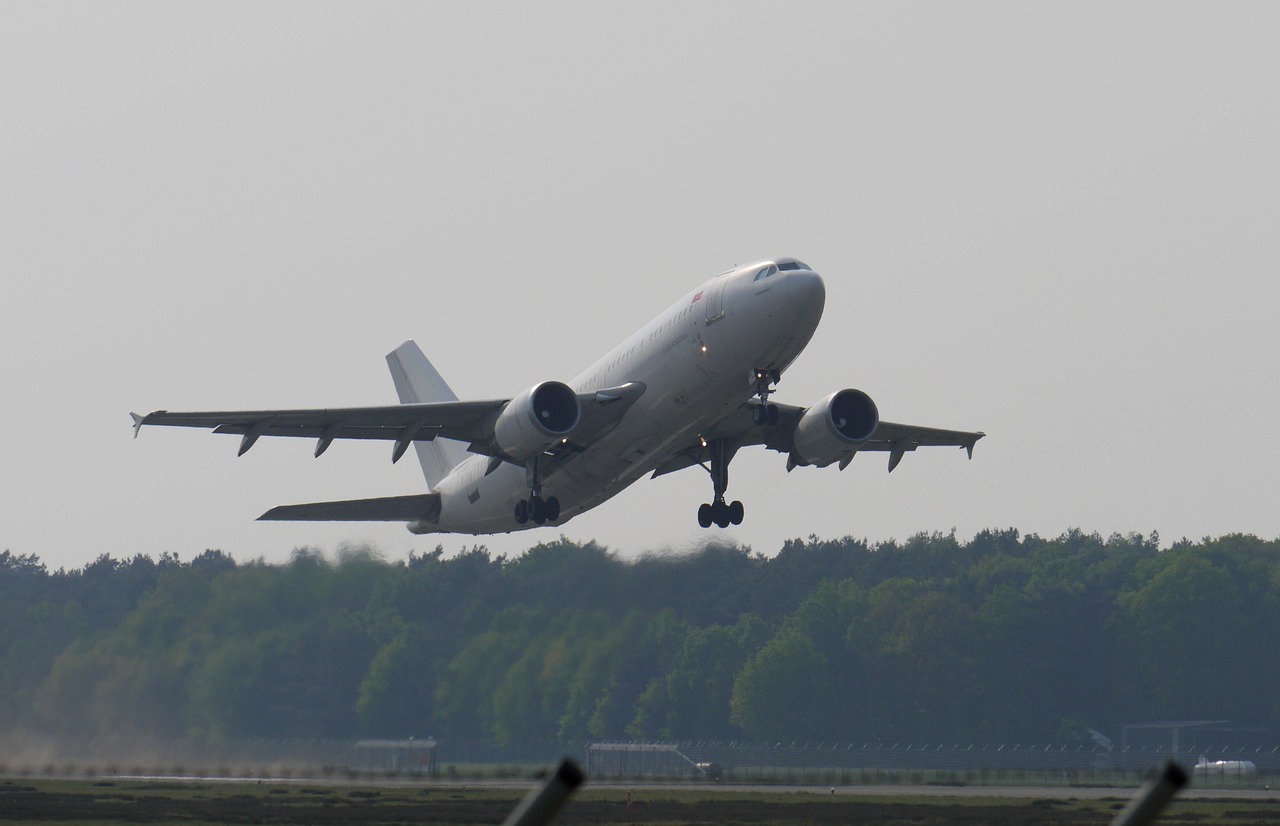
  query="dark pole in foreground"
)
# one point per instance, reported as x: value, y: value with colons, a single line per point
x: 1145, y: 806
x: 544, y: 802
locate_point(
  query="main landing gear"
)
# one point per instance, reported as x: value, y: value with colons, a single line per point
x: 535, y: 508
x: 765, y: 413
x: 718, y: 511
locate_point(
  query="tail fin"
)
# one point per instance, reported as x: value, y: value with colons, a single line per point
x: 418, y: 381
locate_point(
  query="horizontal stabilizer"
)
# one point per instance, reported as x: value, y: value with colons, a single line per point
x: 387, y: 509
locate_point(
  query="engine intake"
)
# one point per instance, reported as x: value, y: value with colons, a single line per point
x: 536, y: 419
x: 834, y: 428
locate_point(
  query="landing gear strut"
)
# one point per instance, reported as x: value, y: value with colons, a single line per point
x: 718, y: 511
x: 765, y: 413
x: 535, y: 508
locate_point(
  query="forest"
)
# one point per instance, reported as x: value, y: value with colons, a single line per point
x: 1002, y: 638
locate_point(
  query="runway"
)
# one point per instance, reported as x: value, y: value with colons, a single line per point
x: 939, y: 791
x: 642, y: 787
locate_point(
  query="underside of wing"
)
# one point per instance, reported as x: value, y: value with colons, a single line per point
x: 739, y: 429
x: 735, y: 431
x: 388, y: 509
x: 889, y: 434
x: 402, y: 423
x: 899, y: 439
x: 469, y: 422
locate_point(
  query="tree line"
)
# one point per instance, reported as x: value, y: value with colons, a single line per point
x: 1004, y: 637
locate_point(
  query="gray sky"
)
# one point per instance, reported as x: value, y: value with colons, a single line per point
x: 1056, y: 224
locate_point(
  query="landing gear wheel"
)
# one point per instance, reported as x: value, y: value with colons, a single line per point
x: 736, y: 512
x: 720, y: 513
x: 704, y: 515
x: 537, y: 510
x: 764, y: 414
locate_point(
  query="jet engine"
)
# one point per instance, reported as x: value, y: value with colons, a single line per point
x: 536, y: 419
x: 834, y: 428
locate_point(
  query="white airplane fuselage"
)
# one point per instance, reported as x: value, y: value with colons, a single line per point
x: 697, y: 361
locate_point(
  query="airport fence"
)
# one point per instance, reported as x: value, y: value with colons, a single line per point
x: 869, y: 763
x: 789, y: 763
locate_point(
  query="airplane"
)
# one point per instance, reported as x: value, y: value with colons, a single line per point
x: 690, y: 388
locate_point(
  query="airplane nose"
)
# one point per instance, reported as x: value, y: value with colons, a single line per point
x: 806, y: 290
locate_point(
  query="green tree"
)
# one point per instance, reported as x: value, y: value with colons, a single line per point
x: 774, y: 695
x: 692, y: 701
x: 396, y: 697
x: 1187, y: 640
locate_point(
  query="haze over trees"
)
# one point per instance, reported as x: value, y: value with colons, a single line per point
x: 1002, y: 638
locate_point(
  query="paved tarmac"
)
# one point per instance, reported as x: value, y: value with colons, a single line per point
x: 639, y: 788
x: 1014, y: 792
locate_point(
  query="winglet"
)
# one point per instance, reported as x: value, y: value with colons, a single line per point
x: 969, y: 447
x: 137, y: 423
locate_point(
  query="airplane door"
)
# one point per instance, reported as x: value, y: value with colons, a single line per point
x: 715, y: 300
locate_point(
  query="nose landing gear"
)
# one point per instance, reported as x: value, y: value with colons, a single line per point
x: 764, y: 413
x: 721, y: 513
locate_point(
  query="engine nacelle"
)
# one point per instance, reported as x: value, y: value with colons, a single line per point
x: 536, y: 419
x: 834, y: 428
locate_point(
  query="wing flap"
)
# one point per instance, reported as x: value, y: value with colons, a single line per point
x: 387, y: 509
x: 425, y: 433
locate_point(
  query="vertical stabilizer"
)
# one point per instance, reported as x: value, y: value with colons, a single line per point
x: 417, y: 381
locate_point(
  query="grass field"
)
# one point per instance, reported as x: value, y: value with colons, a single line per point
x: 194, y: 803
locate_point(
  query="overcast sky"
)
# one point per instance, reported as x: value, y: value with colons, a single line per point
x: 1056, y: 224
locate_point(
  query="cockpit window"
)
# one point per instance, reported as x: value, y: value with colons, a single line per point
x: 765, y: 272
x: 792, y: 264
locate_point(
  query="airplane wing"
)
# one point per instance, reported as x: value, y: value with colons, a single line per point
x: 465, y: 421
x: 402, y: 423
x: 738, y: 430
